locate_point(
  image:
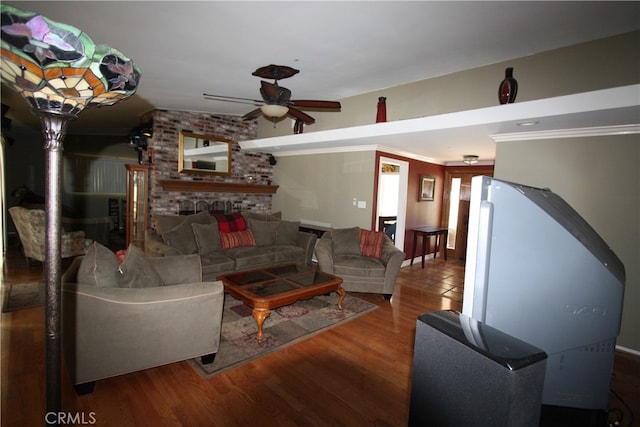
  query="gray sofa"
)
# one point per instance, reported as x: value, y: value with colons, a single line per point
x: 272, y: 242
x: 120, y: 318
x: 340, y: 252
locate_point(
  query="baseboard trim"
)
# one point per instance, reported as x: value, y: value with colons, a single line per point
x: 628, y: 350
x: 407, y: 262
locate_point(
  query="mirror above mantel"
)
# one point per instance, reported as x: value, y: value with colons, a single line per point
x: 204, y: 154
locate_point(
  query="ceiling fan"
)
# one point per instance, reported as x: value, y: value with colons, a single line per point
x: 276, y: 100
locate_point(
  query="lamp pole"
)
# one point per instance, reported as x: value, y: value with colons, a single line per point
x: 59, y: 71
x: 53, y: 128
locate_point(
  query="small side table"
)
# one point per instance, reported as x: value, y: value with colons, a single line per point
x: 427, y: 232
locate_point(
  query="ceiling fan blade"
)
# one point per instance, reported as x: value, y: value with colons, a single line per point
x: 307, y: 119
x: 232, y: 99
x: 311, y: 103
x: 252, y: 114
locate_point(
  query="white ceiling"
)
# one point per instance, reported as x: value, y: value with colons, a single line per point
x: 342, y: 49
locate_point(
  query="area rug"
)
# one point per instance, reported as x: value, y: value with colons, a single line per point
x: 285, y: 326
x: 24, y: 295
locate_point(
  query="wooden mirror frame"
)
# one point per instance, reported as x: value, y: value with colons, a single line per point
x: 206, y: 154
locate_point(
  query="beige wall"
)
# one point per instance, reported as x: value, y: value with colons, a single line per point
x: 600, y: 178
x: 321, y: 188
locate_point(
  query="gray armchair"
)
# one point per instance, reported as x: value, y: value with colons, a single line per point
x: 109, y: 331
x: 338, y: 252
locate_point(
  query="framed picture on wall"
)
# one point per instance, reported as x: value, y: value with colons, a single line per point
x: 427, y: 188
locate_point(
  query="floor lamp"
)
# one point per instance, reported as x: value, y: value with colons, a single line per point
x: 59, y: 71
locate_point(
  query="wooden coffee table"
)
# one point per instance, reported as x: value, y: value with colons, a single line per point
x: 268, y: 288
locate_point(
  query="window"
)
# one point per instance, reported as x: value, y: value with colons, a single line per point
x: 87, y: 174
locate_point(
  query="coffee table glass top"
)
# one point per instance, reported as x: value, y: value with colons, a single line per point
x: 276, y: 280
x: 285, y: 270
x: 249, y: 277
x: 311, y: 278
x: 273, y: 287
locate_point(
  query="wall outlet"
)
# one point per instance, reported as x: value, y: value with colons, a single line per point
x: 362, y: 204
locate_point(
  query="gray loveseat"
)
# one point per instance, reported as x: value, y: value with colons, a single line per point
x: 222, y: 250
x: 121, y: 318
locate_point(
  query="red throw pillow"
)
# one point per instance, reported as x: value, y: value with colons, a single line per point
x: 121, y: 254
x: 231, y: 222
x: 371, y: 243
x: 237, y: 239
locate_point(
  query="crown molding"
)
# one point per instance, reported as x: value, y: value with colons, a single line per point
x: 568, y: 133
x: 356, y: 148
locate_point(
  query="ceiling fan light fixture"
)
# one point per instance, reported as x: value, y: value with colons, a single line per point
x: 274, y: 110
x: 470, y: 159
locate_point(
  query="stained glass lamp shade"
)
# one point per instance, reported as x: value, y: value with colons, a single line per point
x: 59, y: 71
x: 57, y: 68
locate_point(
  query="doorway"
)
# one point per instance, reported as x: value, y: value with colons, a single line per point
x: 392, y: 196
x: 457, y: 195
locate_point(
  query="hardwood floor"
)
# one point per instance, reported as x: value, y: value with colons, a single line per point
x: 355, y: 374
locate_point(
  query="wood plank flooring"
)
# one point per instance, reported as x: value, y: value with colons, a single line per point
x: 355, y: 374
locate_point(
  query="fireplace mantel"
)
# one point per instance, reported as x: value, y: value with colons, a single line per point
x: 215, y: 187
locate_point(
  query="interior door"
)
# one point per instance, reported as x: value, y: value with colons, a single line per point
x: 401, y: 197
x: 457, y: 195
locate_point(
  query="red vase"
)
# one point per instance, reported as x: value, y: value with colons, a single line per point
x: 381, y: 116
x: 508, y: 88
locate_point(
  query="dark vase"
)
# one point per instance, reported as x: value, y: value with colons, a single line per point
x: 381, y: 115
x: 508, y: 88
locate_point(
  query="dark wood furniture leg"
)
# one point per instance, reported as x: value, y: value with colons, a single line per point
x: 415, y: 243
x: 436, y: 248
x: 444, y: 244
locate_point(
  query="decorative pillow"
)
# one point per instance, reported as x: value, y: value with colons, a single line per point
x: 178, y: 269
x: 207, y: 238
x: 121, y: 255
x: 287, y: 233
x: 202, y: 217
x: 136, y: 271
x: 275, y: 216
x: 237, y: 239
x: 346, y: 241
x: 165, y: 223
x: 182, y: 238
x: 263, y: 231
x: 231, y: 222
x: 98, y: 267
x: 371, y: 243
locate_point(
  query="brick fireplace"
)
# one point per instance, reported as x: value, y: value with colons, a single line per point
x: 163, y: 150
